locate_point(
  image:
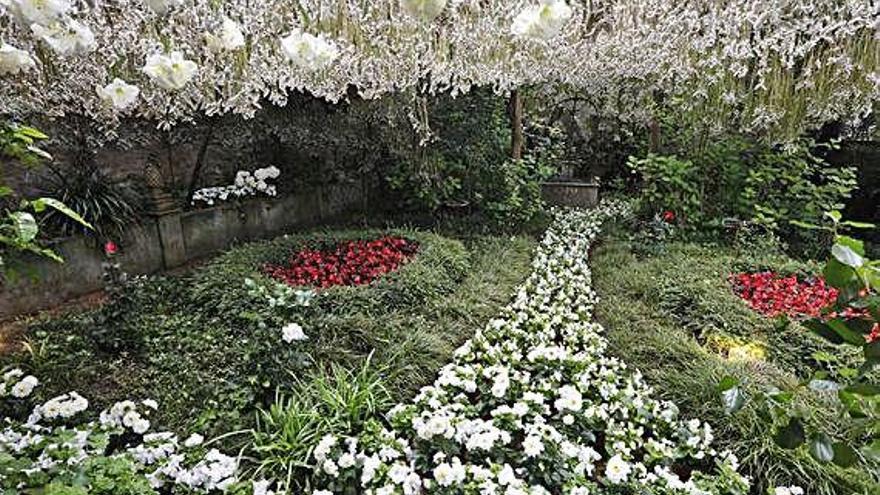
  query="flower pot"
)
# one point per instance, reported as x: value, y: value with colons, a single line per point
x: 573, y: 193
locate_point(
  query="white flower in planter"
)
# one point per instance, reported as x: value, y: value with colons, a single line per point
x: 14, y: 60
x: 308, y: 51
x: 425, y: 10
x: 542, y: 21
x: 70, y: 38
x: 170, y: 71
x: 119, y: 94
x: 617, y: 469
x: 230, y: 37
x: 162, y: 6
x: 43, y: 12
x: 293, y: 332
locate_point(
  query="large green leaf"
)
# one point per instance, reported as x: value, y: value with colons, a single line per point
x: 820, y: 328
x: 41, y: 204
x: 821, y: 447
x: 837, y: 274
x: 856, y: 245
x: 848, y: 334
x: 791, y: 436
x: 872, y: 450
x: 733, y: 399
x: 847, y: 255
x: 844, y: 455
x: 25, y: 226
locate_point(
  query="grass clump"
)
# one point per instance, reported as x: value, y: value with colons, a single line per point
x: 675, y: 317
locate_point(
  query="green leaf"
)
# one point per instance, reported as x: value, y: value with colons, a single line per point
x: 791, y: 436
x: 733, y: 399
x: 821, y: 447
x: 854, y: 244
x: 30, y: 132
x: 823, y: 330
x: 25, y: 225
x: 5, y: 191
x: 834, y: 215
x: 727, y: 383
x: 41, y: 204
x: 844, y: 455
x: 858, y: 225
x: 864, y: 389
x: 872, y: 450
x: 849, y: 335
x: 837, y: 274
x: 847, y: 256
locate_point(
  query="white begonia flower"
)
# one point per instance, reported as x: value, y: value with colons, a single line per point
x: 24, y: 387
x: 293, y: 332
x: 617, y: 469
x: 788, y: 490
x: 230, y: 37
x: 261, y: 487
x: 194, y: 440
x: 533, y: 446
x: 43, y: 12
x: 162, y: 6
x: 119, y: 94
x: 308, y: 51
x: 171, y: 71
x: 543, y: 21
x: 70, y: 38
x: 424, y: 10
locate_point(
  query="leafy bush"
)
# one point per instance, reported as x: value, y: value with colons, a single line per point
x: 669, y: 183
x: 677, y: 319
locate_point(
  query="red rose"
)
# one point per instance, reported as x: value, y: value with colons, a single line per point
x: 110, y: 248
x: 668, y: 216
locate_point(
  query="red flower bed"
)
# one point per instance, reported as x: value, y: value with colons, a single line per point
x: 349, y: 263
x: 773, y: 294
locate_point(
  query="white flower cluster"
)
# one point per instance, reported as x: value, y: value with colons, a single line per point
x: 40, y: 451
x: 124, y: 414
x: 14, y: 383
x: 753, y: 65
x: 788, y: 490
x: 532, y: 404
x: 246, y: 184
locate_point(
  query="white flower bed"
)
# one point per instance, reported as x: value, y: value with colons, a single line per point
x: 246, y: 184
x: 533, y: 405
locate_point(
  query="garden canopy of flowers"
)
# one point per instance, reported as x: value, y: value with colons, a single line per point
x: 504, y: 247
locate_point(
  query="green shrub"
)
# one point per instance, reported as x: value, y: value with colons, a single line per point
x: 668, y: 183
x: 675, y: 317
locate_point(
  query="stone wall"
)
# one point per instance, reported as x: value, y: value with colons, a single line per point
x: 171, y: 240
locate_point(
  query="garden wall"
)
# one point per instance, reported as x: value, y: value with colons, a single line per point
x: 173, y: 239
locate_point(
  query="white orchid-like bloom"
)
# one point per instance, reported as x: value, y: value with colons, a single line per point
x: 230, y: 37
x: 119, y: 94
x: 70, y: 38
x: 308, y: 51
x: 162, y: 6
x: 14, y: 60
x: 542, y: 21
x: 170, y: 71
x: 45, y: 12
x: 425, y: 10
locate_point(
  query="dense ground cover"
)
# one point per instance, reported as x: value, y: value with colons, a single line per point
x: 675, y: 314
x: 214, y: 345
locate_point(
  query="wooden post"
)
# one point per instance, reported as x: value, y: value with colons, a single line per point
x: 515, y: 108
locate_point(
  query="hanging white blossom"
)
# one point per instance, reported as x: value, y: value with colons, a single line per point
x: 119, y: 94
x: 308, y: 51
x: 543, y: 21
x: 14, y: 60
x: 69, y: 38
x: 230, y: 37
x: 425, y: 10
x: 162, y: 6
x: 170, y: 71
x: 43, y: 12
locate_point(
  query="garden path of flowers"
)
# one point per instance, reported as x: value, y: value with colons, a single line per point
x: 533, y: 405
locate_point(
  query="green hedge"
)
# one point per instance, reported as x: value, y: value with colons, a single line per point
x: 670, y: 316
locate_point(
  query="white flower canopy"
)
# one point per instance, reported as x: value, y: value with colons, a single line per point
x: 767, y: 65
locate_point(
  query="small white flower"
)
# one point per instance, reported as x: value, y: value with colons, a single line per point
x: 14, y: 61
x: 308, y: 51
x: 70, y: 38
x: 43, y: 12
x: 194, y: 440
x: 230, y: 37
x: 293, y: 332
x: 171, y: 71
x: 119, y: 94
x: 261, y: 487
x: 24, y: 387
x: 425, y: 10
x: 617, y: 469
x: 533, y: 446
x: 543, y: 21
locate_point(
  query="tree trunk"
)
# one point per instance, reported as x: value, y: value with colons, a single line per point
x: 200, y: 162
x: 655, y: 135
x: 515, y: 108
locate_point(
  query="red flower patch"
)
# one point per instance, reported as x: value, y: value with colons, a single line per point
x: 772, y: 294
x: 349, y: 263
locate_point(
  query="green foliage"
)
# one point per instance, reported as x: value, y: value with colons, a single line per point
x: 210, y: 347
x: 739, y: 178
x: 676, y: 318
x: 337, y: 401
x: 111, y: 208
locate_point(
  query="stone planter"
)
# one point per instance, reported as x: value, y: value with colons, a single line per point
x: 583, y: 194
